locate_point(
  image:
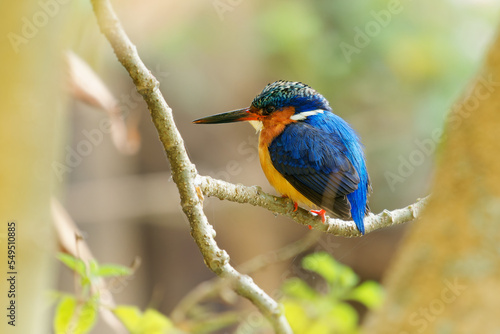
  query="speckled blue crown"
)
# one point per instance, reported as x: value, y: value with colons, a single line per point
x: 290, y: 93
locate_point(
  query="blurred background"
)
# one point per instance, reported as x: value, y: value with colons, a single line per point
x: 392, y: 71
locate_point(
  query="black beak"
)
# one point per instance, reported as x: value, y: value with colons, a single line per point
x: 229, y: 117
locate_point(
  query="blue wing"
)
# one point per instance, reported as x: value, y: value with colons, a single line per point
x: 315, y: 162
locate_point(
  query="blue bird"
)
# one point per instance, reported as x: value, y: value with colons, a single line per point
x: 307, y: 153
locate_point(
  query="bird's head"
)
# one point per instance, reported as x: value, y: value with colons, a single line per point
x: 279, y: 102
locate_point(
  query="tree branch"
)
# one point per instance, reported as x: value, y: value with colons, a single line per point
x: 183, y: 171
x: 284, y: 206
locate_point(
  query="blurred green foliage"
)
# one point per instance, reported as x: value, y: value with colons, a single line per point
x: 307, y: 310
x: 88, y: 274
x: 312, y: 312
x: 147, y: 322
x: 78, y: 313
x: 73, y: 316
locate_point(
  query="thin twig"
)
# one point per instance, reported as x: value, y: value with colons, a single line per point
x: 183, y: 171
x: 283, y: 254
x: 213, y: 287
x: 86, y: 86
x: 283, y: 206
x: 66, y: 230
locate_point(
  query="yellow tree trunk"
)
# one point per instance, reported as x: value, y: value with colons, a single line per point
x: 30, y: 101
x: 446, y: 277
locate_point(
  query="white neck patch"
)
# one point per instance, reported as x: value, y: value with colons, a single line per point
x: 257, y: 125
x: 303, y: 115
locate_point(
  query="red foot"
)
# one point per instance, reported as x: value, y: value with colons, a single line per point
x: 309, y: 227
x: 320, y: 213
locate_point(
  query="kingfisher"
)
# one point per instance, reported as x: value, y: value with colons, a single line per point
x: 308, y: 153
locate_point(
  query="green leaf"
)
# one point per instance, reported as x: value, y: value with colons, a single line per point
x: 129, y: 316
x: 295, y: 287
x: 73, y: 318
x: 321, y: 326
x: 321, y: 263
x: 87, y: 318
x: 369, y: 293
x: 151, y: 322
x: 343, y: 317
x: 64, y: 313
x: 335, y: 273
x: 73, y: 263
x: 154, y: 322
x: 93, y: 267
x: 213, y: 323
x: 109, y: 270
x: 347, y: 278
x: 296, y: 315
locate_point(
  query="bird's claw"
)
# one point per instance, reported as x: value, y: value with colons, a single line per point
x: 320, y: 213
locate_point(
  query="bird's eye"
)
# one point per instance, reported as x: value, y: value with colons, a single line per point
x: 269, y: 109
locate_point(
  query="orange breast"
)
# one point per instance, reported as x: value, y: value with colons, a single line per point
x: 279, y: 183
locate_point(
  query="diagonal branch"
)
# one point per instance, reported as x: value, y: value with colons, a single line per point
x: 183, y: 171
x: 283, y: 206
